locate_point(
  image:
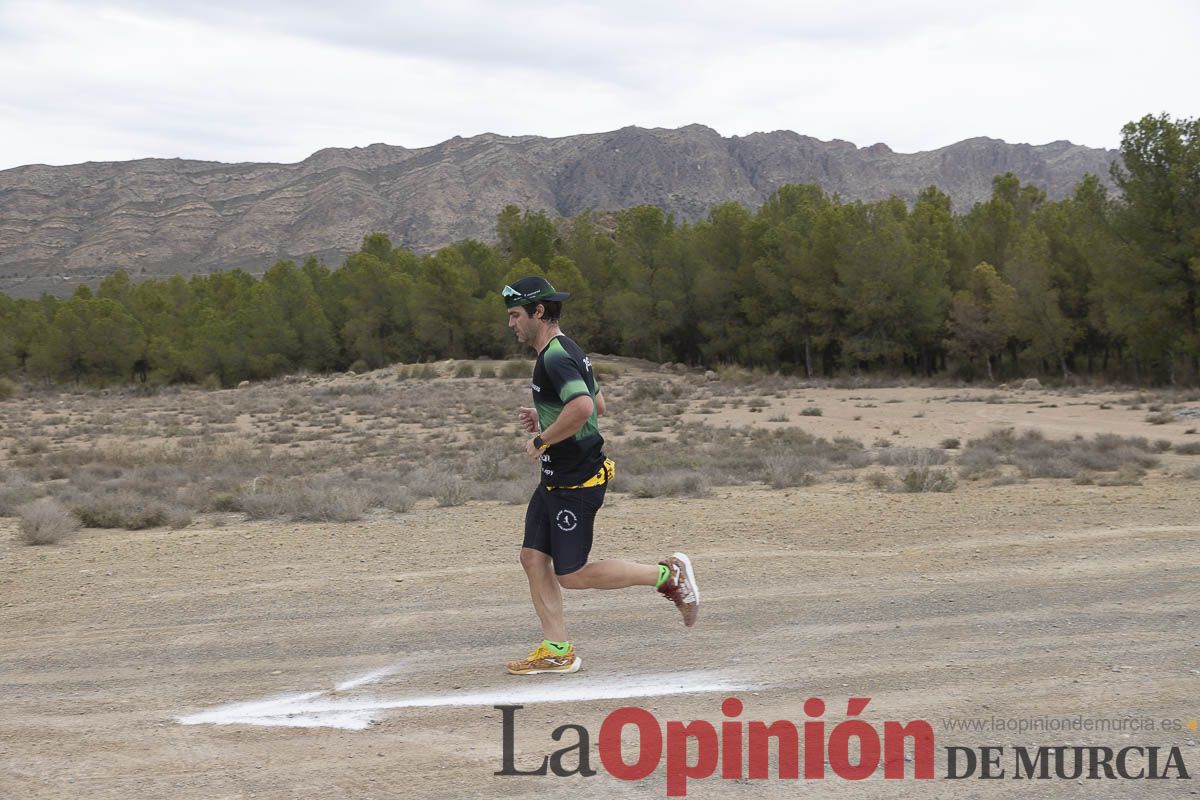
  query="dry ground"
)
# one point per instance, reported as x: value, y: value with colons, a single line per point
x: 1031, y: 599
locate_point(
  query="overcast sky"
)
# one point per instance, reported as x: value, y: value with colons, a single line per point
x: 240, y: 80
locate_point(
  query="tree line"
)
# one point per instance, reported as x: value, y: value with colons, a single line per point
x: 808, y: 283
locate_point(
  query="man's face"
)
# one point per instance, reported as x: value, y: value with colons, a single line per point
x: 523, y: 325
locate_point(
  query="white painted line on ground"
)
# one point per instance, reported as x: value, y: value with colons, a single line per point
x: 319, y: 709
x: 370, y: 677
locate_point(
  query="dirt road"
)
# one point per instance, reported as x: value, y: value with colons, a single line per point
x: 1037, y: 599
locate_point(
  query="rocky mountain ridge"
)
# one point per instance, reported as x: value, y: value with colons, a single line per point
x: 155, y: 217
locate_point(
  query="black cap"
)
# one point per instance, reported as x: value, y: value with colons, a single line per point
x: 530, y: 290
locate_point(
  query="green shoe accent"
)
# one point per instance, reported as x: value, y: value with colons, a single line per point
x: 663, y: 574
x: 558, y: 648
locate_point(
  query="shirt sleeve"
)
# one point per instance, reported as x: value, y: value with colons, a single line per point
x: 567, y: 377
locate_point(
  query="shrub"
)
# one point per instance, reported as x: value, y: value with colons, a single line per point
x: 325, y: 498
x: 464, y: 371
x: 951, y: 444
x: 663, y: 390
x: 1007, y: 480
x: 1160, y: 418
x: 1188, y: 449
x: 999, y: 440
x: 516, y: 369
x: 8, y: 389
x: 811, y: 411
x: 786, y: 469
x: 668, y: 483
x: 487, y: 371
x: 120, y: 509
x: 926, y: 479
x: 911, y: 456
x: 46, y: 521
x: 736, y: 374
x: 1128, y: 475
x: 1037, y: 457
x: 606, y: 371
x: 399, y: 499
x: 15, y: 495
x: 452, y: 492
x: 880, y: 480
x: 514, y: 491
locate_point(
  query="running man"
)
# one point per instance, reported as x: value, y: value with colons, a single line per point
x: 574, y: 478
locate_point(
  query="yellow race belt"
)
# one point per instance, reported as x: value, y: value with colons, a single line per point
x: 606, y: 474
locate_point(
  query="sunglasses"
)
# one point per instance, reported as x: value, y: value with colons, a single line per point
x: 509, y: 292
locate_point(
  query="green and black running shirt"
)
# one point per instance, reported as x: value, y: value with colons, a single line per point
x: 562, y: 373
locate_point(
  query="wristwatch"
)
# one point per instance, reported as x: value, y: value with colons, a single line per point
x: 539, y: 444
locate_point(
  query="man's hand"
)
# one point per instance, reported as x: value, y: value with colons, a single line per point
x: 529, y: 419
x: 532, y: 452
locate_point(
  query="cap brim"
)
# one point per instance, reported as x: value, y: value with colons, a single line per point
x: 558, y: 296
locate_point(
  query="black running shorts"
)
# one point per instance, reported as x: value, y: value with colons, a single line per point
x: 559, y: 523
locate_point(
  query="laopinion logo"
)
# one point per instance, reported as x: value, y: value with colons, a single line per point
x: 852, y: 749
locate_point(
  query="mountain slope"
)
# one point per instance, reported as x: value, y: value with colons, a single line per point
x: 155, y: 217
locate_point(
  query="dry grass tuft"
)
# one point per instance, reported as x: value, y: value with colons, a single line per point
x: 926, y: 479
x: 668, y: 483
x: 452, y: 492
x: 1037, y: 457
x: 880, y: 480
x: 120, y: 509
x: 516, y: 369
x: 911, y: 456
x: 15, y: 495
x: 46, y: 521
x: 318, y: 499
x: 785, y: 469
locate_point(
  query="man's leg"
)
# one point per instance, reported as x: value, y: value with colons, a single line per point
x: 554, y: 654
x: 610, y: 574
x: 574, y: 514
x: 543, y: 588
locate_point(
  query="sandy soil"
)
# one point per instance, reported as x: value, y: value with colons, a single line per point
x: 1029, y: 600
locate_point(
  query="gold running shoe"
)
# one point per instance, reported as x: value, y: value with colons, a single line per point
x: 681, y: 588
x: 543, y: 659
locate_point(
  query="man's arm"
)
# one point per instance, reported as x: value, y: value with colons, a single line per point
x: 601, y: 406
x: 573, y: 416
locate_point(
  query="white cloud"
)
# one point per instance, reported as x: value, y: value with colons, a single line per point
x: 276, y: 81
